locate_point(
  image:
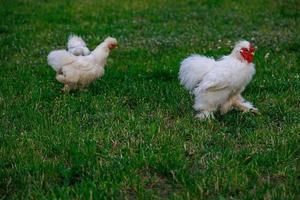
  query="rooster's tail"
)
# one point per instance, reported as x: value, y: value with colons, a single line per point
x: 77, y: 46
x: 59, y: 58
x: 193, y: 69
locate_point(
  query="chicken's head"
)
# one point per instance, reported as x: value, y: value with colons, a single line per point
x: 244, y: 50
x: 111, y: 42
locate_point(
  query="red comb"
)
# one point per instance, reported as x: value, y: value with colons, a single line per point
x: 252, y: 49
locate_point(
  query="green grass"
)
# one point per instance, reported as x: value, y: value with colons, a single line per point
x: 133, y: 134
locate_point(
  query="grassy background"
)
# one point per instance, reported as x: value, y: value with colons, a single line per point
x: 133, y: 134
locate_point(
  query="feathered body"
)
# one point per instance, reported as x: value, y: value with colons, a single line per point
x: 79, y: 71
x: 77, y: 46
x: 218, y: 84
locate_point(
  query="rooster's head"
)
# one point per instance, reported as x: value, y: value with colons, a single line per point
x: 244, y: 50
x: 111, y: 43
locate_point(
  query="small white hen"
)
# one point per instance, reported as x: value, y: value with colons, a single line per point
x: 77, y: 72
x: 218, y: 84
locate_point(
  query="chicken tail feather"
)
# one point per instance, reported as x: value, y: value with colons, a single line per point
x: 59, y: 58
x: 193, y: 69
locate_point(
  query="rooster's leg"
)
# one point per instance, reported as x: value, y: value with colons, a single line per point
x: 205, y: 110
x: 226, y: 107
x: 69, y: 86
x: 66, y: 88
x: 244, y: 105
x: 205, y: 115
x: 62, y: 79
x: 83, y: 88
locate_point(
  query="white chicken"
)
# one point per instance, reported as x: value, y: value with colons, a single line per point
x: 218, y: 84
x: 77, y: 46
x: 77, y: 72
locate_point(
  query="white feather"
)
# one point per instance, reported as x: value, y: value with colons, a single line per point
x: 59, y: 58
x: 193, y: 69
x: 77, y: 46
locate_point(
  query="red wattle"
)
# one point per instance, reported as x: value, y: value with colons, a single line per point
x: 247, y: 56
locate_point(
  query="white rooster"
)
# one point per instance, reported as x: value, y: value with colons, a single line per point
x: 77, y: 72
x: 218, y: 84
x: 77, y: 46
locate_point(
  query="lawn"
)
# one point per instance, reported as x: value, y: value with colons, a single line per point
x: 134, y: 134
